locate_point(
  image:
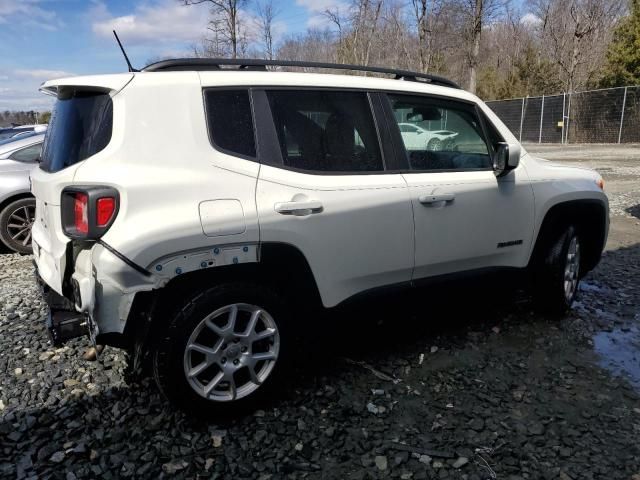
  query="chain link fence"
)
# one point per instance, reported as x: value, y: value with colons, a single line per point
x: 609, y: 115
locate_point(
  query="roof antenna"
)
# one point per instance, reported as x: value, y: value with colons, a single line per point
x: 131, y: 69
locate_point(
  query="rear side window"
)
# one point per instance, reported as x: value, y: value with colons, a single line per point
x: 80, y: 126
x: 230, y: 121
x: 326, y: 131
x: 28, y: 154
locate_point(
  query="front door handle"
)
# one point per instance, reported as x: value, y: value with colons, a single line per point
x: 298, y: 208
x: 446, y: 198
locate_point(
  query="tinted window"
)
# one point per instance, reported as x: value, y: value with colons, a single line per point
x: 80, y: 127
x: 4, y: 141
x: 492, y: 133
x: 13, y: 133
x: 449, y: 135
x: 230, y: 121
x: 29, y: 154
x: 326, y: 131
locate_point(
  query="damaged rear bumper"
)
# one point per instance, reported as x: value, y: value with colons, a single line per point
x: 63, y: 321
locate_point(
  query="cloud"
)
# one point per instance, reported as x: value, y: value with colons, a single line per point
x: 4, y: 77
x: 24, y: 98
x: 28, y: 13
x: 530, y: 19
x: 151, y: 23
x: 43, y: 74
x: 317, y: 8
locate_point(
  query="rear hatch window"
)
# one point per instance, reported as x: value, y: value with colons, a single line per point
x: 80, y: 126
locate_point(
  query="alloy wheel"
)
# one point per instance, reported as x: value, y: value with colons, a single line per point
x: 20, y: 223
x: 231, y: 352
x: 572, y: 269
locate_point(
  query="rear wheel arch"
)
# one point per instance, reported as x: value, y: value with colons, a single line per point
x: 281, y: 266
x: 588, y: 216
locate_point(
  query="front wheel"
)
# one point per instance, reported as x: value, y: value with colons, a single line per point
x: 434, y: 145
x: 16, y: 220
x: 224, y: 350
x: 557, y: 276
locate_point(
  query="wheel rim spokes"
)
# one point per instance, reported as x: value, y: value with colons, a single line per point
x: 20, y: 223
x: 231, y: 352
x: 572, y: 269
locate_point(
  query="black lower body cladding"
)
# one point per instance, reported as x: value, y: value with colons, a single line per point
x: 63, y: 321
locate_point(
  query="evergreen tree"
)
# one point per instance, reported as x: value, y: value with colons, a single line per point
x: 623, y: 56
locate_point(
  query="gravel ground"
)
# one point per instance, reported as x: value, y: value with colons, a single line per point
x: 431, y: 390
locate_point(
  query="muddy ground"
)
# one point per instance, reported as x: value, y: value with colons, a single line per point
x: 416, y: 387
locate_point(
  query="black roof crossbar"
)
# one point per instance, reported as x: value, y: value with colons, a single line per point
x: 261, y: 65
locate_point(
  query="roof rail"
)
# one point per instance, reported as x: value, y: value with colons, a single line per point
x: 261, y: 65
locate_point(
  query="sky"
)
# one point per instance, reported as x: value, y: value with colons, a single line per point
x: 45, y: 39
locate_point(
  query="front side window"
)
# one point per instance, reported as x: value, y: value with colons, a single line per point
x: 326, y: 131
x: 80, y: 126
x: 28, y: 154
x: 230, y: 121
x: 440, y: 134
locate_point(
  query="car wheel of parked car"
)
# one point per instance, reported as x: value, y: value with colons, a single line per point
x: 434, y: 145
x: 224, y: 350
x: 16, y: 220
x: 558, y: 275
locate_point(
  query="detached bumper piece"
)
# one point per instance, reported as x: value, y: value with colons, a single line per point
x: 64, y: 325
x: 63, y: 321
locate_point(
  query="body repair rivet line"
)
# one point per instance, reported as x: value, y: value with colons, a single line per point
x: 216, y: 251
x: 158, y: 267
x: 245, y: 249
x: 235, y: 259
x: 178, y: 270
x: 203, y: 264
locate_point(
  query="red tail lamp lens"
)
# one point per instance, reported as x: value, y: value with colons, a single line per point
x: 106, y: 208
x: 80, y: 210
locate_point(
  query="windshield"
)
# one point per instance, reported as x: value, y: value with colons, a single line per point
x: 80, y: 127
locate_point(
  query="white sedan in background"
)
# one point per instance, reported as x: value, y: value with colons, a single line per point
x: 418, y: 138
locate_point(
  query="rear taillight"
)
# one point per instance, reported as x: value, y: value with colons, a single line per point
x: 106, y: 207
x: 80, y: 213
x: 88, y: 212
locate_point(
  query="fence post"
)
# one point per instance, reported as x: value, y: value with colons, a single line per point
x: 564, y: 102
x: 566, y: 140
x: 541, y: 114
x: 521, y: 120
x: 624, y: 104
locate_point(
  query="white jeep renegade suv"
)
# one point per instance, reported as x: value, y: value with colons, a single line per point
x: 185, y: 210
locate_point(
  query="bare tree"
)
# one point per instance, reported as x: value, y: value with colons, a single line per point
x: 356, y: 29
x: 267, y: 13
x: 224, y: 26
x: 475, y: 15
x: 575, y: 33
x: 426, y: 14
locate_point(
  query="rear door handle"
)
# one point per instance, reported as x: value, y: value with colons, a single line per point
x: 298, y: 208
x: 446, y: 198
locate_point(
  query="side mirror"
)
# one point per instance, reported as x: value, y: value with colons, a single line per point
x: 507, y: 157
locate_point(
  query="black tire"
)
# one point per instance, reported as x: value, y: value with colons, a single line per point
x: 434, y: 145
x: 551, y: 293
x: 169, y: 359
x: 14, y: 237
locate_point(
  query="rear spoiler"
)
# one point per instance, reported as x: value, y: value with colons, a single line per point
x: 107, y: 83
